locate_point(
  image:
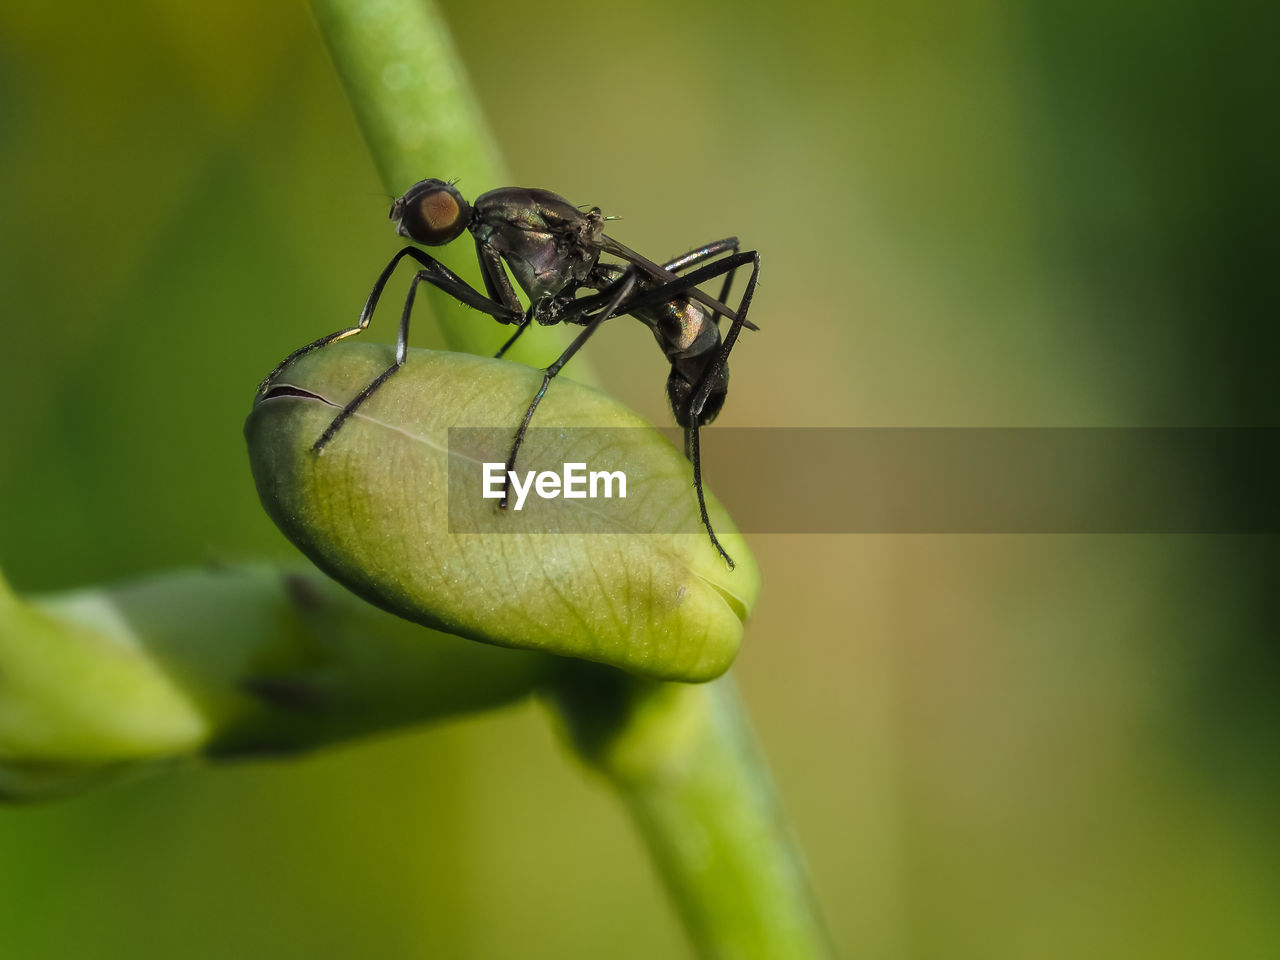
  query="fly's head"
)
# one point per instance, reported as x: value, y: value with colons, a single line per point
x: 432, y: 212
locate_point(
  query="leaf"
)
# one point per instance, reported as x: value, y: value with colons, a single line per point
x: 374, y: 510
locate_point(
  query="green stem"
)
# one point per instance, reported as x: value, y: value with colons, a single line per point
x: 413, y: 102
x: 238, y: 661
x: 683, y: 758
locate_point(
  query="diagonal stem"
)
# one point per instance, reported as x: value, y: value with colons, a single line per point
x: 683, y: 758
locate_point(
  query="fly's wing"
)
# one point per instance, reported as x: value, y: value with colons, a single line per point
x: 659, y: 272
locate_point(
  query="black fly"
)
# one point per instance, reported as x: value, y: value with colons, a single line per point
x: 553, y: 250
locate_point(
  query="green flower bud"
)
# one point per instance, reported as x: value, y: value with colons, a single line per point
x: 373, y: 510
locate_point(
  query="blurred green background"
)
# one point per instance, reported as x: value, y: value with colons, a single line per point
x: 976, y: 213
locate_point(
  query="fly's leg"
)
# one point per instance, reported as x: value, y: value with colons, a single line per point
x: 683, y: 285
x: 358, y: 400
x: 520, y: 328
x: 703, y: 390
x: 668, y: 278
x: 617, y: 303
x: 710, y: 250
x: 695, y: 457
x: 438, y: 275
x: 624, y: 288
x: 442, y: 277
x: 665, y: 290
x: 699, y: 254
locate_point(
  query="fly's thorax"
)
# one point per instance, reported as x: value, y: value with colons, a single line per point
x: 550, y: 245
x: 590, y: 231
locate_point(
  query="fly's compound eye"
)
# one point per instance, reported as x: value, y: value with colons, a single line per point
x: 431, y: 213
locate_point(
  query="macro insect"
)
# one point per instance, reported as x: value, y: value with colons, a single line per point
x: 554, y: 249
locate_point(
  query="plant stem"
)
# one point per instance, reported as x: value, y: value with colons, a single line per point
x: 420, y: 118
x: 683, y: 758
x: 238, y: 661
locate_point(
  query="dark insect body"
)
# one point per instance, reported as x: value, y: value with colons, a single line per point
x: 553, y: 250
